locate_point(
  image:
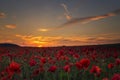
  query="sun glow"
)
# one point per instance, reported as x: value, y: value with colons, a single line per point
x: 40, y: 45
x: 43, y: 30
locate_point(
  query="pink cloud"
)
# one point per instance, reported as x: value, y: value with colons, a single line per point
x: 10, y: 26
x: 2, y: 15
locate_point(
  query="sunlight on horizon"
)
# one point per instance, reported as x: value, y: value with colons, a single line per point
x: 43, y: 30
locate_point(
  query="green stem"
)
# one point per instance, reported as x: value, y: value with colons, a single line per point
x: 83, y: 75
x: 53, y: 76
x: 68, y: 76
x: 95, y: 77
x: 60, y: 75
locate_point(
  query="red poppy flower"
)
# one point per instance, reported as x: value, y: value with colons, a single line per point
x: 85, y: 62
x: 52, y: 69
x: 43, y: 60
x: 110, y: 66
x: 105, y: 79
x: 116, y: 77
x: 117, y: 62
x: 115, y: 55
x: 76, y: 56
x: 66, y: 58
x: 36, y: 72
x: 4, y: 78
x: 94, y: 56
x: 78, y: 65
x: 95, y: 70
x: 14, y: 66
x: 32, y: 62
x: 42, y: 69
x: 66, y: 68
x: 2, y: 73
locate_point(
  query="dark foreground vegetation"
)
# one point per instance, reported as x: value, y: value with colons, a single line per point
x: 100, y: 62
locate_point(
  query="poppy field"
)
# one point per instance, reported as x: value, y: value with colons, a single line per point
x: 60, y: 63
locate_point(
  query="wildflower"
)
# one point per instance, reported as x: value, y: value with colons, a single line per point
x: 41, y: 68
x: 4, y: 78
x: 105, y: 79
x: 32, y: 62
x: 15, y: 67
x: 116, y: 77
x: 43, y: 60
x: 66, y: 68
x: 52, y: 69
x: 110, y: 66
x: 95, y: 70
x: 36, y: 72
x: 85, y: 62
x: 117, y: 62
x: 115, y: 55
x: 76, y: 56
x: 78, y: 65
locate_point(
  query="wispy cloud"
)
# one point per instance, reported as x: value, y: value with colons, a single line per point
x: 90, y: 18
x: 38, y: 40
x: 43, y: 30
x: 10, y: 26
x: 2, y: 15
x: 67, y: 13
x: 73, y: 40
x: 47, y: 40
x: 7, y: 41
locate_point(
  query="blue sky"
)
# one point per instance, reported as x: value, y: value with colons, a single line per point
x: 43, y: 22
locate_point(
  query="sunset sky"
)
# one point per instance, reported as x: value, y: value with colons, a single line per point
x: 59, y: 22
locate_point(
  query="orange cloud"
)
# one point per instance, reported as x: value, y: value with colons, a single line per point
x: 6, y: 41
x: 43, y: 30
x: 32, y: 40
x: 10, y: 26
x: 2, y: 15
x: 39, y: 40
x: 69, y: 41
x: 89, y: 19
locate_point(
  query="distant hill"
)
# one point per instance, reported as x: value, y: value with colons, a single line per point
x: 8, y: 45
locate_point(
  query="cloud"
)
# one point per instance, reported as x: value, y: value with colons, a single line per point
x: 6, y: 41
x: 38, y: 40
x: 2, y: 15
x: 90, y: 18
x: 67, y: 13
x: 43, y: 30
x: 10, y: 26
x: 46, y: 40
x: 68, y: 41
x: 103, y: 40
